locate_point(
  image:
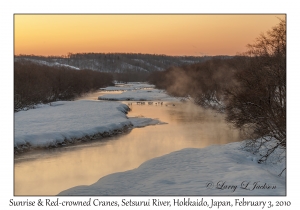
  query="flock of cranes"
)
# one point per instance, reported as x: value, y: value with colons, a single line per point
x: 149, y: 103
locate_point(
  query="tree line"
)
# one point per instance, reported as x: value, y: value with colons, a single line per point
x: 119, y: 62
x: 249, y: 88
x: 204, y: 83
x: 35, y: 83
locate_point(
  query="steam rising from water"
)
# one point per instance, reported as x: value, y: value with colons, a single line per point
x: 189, y: 126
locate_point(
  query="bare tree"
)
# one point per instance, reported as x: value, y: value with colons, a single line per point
x: 257, y: 104
x: 35, y: 84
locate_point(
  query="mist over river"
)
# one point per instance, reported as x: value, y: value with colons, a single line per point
x: 48, y: 172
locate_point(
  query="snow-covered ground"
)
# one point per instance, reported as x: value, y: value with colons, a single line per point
x: 128, y: 86
x: 50, y: 63
x: 65, y: 122
x: 68, y: 121
x: 214, y: 170
x: 129, y: 66
x: 139, y: 95
x: 137, y: 92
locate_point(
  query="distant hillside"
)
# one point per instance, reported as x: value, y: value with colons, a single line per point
x: 116, y: 62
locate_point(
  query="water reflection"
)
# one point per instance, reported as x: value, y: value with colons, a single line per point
x: 50, y: 172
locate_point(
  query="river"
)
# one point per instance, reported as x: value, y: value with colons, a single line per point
x: 49, y: 172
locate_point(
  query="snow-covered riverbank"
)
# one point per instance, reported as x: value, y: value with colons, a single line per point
x: 214, y: 170
x: 136, y: 92
x: 139, y: 95
x: 128, y: 87
x: 66, y: 122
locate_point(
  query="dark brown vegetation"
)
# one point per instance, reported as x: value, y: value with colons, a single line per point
x: 204, y: 83
x: 35, y: 84
x: 250, y: 89
x: 131, y: 76
x: 118, y: 62
x: 258, y: 102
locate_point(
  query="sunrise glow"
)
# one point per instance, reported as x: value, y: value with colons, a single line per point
x: 154, y: 34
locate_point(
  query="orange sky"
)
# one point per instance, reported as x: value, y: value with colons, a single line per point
x: 154, y: 34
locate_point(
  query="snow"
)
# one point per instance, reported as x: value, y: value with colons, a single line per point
x: 66, y: 65
x: 136, y: 91
x: 139, y: 122
x: 140, y: 95
x: 69, y: 120
x: 129, y: 66
x: 128, y: 86
x: 139, y: 60
x: 214, y: 170
x: 188, y: 61
x: 148, y: 64
x: 41, y: 62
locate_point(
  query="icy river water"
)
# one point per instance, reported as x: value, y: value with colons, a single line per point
x: 49, y: 172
